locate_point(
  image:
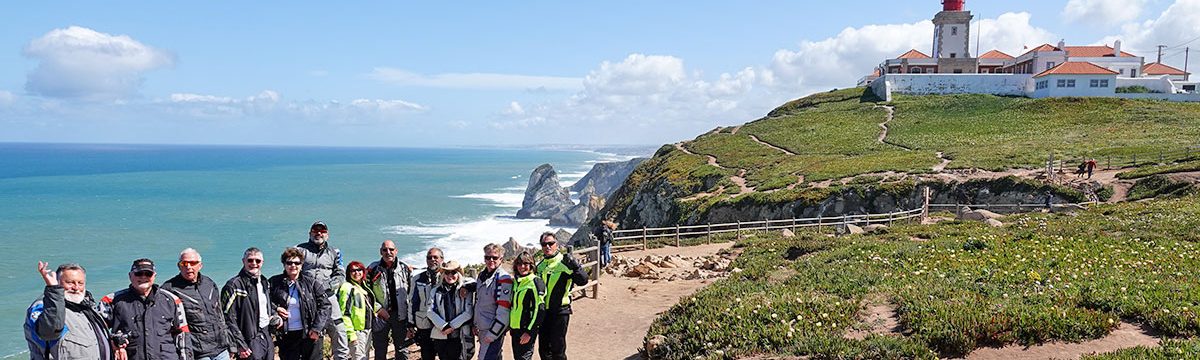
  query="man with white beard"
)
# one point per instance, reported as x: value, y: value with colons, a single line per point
x: 66, y: 323
x: 138, y: 339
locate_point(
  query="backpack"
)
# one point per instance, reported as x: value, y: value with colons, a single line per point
x: 39, y: 349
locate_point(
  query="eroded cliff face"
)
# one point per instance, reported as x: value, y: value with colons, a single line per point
x: 544, y: 197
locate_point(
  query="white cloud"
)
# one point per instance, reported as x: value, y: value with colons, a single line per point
x: 1177, y: 26
x: 485, y: 81
x: 1103, y: 12
x: 6, y: 98
x: 77, y: 62
x: 643, y: 98
x: 841, y: 60
x: 270, y: 104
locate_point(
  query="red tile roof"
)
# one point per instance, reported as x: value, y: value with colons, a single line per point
x: 1042, y: 48
x: 1160, y: 69
x: 1077, y: 68
x: 996, y: 54
x: 913, y: 54
x: 1093, y: 51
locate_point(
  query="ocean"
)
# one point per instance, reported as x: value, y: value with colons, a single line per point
x: 103, y: 206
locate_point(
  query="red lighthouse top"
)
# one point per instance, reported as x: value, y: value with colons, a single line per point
x: 952, y: 5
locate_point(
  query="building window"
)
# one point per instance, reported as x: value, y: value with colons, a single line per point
x: 953, y: 30
x: 1066, y: 83
x: 1122, y: 72
x: 1132, y: 72
x: 1097, y: 83
x: 1050, y: 65
x: 916, y: 70
x: 1043, y: 84
x: 1104, y: 83
x: 958, y: 71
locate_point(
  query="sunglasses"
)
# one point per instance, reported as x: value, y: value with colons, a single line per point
x: 491, y: 258
x: 433, y: 257
x: 545, y: 244
x: 143, y: 273
x: 189, y: 262
x: 320, y: 231
x: 293, y: 263
x: 254, y: 261
x: 388, y: 249
x: 357, y: 270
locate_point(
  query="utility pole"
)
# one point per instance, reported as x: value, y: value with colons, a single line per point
x: 1186, y: 53
x: 1160, y: 49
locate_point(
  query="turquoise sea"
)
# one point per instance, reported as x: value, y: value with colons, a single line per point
x: 104, y: 205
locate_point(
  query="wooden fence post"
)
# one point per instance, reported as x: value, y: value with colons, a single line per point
x: 645, y: 243
x: 739, y: 230
x: 819, y: 218
x: 793, y: 224
x: 597, y: 270
x: 676, y: 235
x: 1160, y: 157
x: 1134, y: 160
x: 708, y: 233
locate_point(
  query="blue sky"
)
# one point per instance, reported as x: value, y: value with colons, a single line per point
x: 481, y: 73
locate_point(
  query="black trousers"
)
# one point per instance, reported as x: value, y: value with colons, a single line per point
x: 260, y: 346
x: 427, y: 350
x: 295, y: 345
x: 553, y: 334
x: 522, y: 352
x: 397, y: 330
x: 449, y: 349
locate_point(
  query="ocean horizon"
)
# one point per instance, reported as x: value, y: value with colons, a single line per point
x: 104, y: 205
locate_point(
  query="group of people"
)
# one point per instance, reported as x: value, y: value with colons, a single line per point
x: 1086, y: 167
x: 188, y: 317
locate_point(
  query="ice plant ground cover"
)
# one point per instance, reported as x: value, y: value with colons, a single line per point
x: 956, y: 286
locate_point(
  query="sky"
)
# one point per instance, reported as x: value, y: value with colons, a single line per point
x: 475, y: 73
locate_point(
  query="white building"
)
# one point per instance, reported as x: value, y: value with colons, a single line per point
x: 1082, y: 79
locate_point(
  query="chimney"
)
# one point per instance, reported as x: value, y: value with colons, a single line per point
x: 1117, y: 48
x: 1062, y: 45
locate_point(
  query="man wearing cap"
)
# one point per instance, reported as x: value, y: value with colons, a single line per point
x: 422, y: 296
x: 66, y: 323
x: 201, y: 302
x: 391, y: 281
x: 561, y: 272
x: 147, y: 323
x: 324, y: 264
x: 248, y: 310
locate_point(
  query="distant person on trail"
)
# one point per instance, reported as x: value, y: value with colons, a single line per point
x: 529, y: 307
x: 202, y: 302
x: 137, y: 339
x: 453, y: 336
x: 358, y: 311
x: 391, y: 285
x: 606, y: 241
x: 248, y: 311
x: 422, y: 296
x: 324, y: 263
x: 561, y: 272
x: 1049, y: 201
x: 1091, y: 166
x: 1081, y: 169
x: 66, y: 323
x: 300, y: 300
x: 493, y: 301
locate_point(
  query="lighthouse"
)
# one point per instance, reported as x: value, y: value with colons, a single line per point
x: 952, y: 38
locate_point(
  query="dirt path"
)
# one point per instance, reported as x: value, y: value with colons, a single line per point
x: 1125, y: 336
x: 738, y: 179
x: 883, y: 133
x: 764, y: 143
x: 941, y: 166
x: 614, y: 325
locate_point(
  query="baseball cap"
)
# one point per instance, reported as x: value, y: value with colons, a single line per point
x: 142, y: 265
x: 319, y: 225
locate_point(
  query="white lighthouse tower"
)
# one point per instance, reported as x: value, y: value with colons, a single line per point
x: 952, y: 39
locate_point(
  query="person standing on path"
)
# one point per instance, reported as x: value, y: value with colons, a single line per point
x: 300, y: 300
x: 248, y: 311
x: 391, y: 283
x: 493, y: 301
x: 529, y: 307
x: 66, y: 323
x: 358, y: 310
x: 201, y: 304
x: 135, y: 338
x: 561, y: 272
x: 324, y: 263
x: 1091, y: 166
x: 422, y: 297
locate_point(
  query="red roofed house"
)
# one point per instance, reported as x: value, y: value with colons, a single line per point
x: 1082, y: 79
x: 1156, y: 69
x: 992, y: 61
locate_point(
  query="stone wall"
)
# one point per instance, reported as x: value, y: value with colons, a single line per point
x: 941, y: 84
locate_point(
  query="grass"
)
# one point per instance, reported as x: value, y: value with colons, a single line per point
x: 1169, y: 349
x: 960, y: 286
x: 1145, y: 171
x: 834, y: 136
x: 1159, y: 185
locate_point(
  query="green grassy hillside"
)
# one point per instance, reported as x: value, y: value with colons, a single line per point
x: 954, y: 286
x: 834, y: 135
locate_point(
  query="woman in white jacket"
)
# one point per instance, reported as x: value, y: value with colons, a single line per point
x: 450, y: 313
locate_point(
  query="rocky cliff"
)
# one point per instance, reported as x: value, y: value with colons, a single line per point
x: 544, y: 197
x: 604, y: 178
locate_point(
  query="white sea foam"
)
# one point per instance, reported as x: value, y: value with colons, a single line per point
x: 504, y: 200
x: 463, y: 242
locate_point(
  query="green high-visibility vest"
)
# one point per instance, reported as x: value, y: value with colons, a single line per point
x: 555, y: 273
x: 527, y: 302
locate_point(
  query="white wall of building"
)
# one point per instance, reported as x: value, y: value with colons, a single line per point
x: 939, y: 84
x: 956, y: 40
x: 1075, y: 86
x: 1156, y: 84
x: 1125, y: 66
